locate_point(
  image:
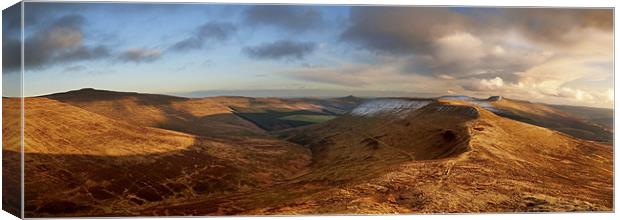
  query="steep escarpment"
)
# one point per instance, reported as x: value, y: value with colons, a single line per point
x: 353, y: 146
x: 413, y: 165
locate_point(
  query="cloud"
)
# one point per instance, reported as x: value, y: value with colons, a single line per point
x: 531, y: 52
x: 11, y: 19
x: 436, y: 41
x: 138, y: 55
x: 462, y: 55
x: 282, y: 49
x: 485, y: 84
x: 459, y: 49
x: 599, y: 98
x: 207, y: 33
x: 35, y: 13
x: 400, y: 30
x: 327, y: 76
x: 538, y: 90
x: 442, y: 37
x: 552, y: 25
x: 11, y: 51
x: 60, y: 41
x: 76, y: 68
x: 377, y: 76
x: 577, y: 94
x: 292, y: 18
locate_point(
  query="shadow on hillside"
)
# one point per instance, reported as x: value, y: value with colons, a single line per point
x: 176, y: 119
x: 271, y: 120
x: 11, y: 182
x: 88, y: 185
x: 222, y: 125
x: 570, y: 126
x: 215, y: 125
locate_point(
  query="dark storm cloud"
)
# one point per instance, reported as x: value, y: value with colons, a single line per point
x: 139, y: 55
x: 58, y: 42
x: 293, y: 18
x: 283, y: 49
x: 210, y: 32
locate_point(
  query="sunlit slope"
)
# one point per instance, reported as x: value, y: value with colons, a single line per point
x: 87, y: 156
x: 352, y: 146
x: 560, y: 119
x: 203, y: 117
x: 223, y: 117
x: 53, y: 127
x: 601, y: 116
x: 490, y: 164
x: 11, y: 123
x: 443, y: 157
x: 79, y: 163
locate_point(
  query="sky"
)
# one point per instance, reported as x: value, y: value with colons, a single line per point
x: 551, y: 55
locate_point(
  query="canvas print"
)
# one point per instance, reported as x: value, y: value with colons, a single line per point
x: 157, y: 109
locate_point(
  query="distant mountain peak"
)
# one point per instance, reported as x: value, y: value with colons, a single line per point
x: 495, y: 98
x: 349, y: 98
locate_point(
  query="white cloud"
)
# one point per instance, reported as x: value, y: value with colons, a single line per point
x: 577, y: 94
x: 485, y: 84
x: 492, y: 83
x: 498, y: 51
x: 459, y: 48
x: 507, y: 62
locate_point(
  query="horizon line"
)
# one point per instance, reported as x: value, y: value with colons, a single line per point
x: 185, y: 95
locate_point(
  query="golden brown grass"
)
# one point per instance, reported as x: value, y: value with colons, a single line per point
x: 100, y: 153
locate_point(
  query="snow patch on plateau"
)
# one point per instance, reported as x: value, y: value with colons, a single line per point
x: 402, y: 107
x: 456, y: 97
x: 399, y: 107
x: 483, y: 103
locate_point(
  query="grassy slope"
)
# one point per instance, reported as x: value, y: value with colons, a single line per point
x: 277, y: 119
x: 459, y: 159
x: 309, y: 118
x: 82, y: 163
x: 552, y: 118
x: 11, y: 186
x: 601, y: 116
x: 490, y: 164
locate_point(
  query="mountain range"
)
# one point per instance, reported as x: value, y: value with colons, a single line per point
x: 104, y: 153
